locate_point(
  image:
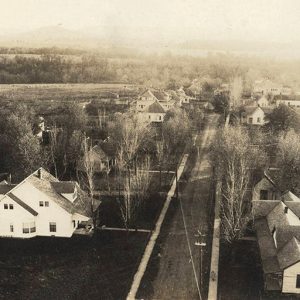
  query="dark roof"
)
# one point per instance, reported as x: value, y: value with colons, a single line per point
x: 294, y: 206
x: 21, y: 203
x: 287, y: 97
x: 64, y: 187
x: 109, y: 148
x: 155, y: 108
x: 267, y: 247
x: 159, y: 95
x: 5, y: 188
x: 261, y: 208
x: 289, y: 254
x: 248, y: 110
x: 99, y: 152
x: 285, y: 233
x: 267, y: 110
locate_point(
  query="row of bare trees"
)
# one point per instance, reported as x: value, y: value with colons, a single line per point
x: 128, y: 132
x: 234, y: 158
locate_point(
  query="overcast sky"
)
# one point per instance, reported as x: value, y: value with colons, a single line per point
x: 268, y: 20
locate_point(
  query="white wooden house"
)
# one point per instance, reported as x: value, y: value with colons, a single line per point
x: 41, y: 205
x: 253, y: 116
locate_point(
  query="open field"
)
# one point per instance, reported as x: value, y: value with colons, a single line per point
x: 77, y: 268
x: 62, y: 92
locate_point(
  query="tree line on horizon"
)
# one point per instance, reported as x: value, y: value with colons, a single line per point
x: 54, y: 65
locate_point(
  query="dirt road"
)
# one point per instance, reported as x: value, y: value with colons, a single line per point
x: 175, y: 271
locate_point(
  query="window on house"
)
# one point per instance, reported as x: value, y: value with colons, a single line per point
x: 11, y: 228
x: 41, y: 203
x: 250, y: 120
x: 52, y: 226
x: 298, y: 281
x: 258, y: 120
x: 47, y: 203
x: 74, y: 223
x: 159, y: 118
x: 11, y: 206
x: 29, y: 227
x: 5, y: 206
x: 263, y: 195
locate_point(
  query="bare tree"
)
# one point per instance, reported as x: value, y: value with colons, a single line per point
x: 160, y: 153
x: 53, y: 148
x: 236, y: 89
x: 87, y: 179
x: 234, y: 158
x: 135, y: 190
x: 288, y: 161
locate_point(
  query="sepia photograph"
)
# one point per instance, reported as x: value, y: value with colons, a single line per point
x: 149, y: 150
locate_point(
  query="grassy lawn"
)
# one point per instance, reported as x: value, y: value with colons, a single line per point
x: 78, y: 268
x: 110, y: 214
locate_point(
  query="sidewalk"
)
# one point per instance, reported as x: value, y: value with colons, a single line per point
x: 150, y: 246
x: 215, y: 249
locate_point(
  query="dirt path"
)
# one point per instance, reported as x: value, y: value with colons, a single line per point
x: 179, y: 260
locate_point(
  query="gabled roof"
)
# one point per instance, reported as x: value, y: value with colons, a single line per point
x: 289, y: 254
x: 289, y: 196
x: 160, y: 95
x: 53, y: 188
x: 261, y: 208
x: 147, y: 93
x: 155, y: 108
x: 285, y: 233
x: 250, y: 110
x: 267, y: 247
x: 294, y: 206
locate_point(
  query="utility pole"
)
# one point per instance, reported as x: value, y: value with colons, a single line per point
x: 201, y: 244
x: 176, y: 176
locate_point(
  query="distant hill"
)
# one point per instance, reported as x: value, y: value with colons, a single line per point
x: 146, y: 39
x: 49, y: 37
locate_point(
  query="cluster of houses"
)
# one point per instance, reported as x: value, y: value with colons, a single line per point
x: 276, y: 217
x: 41, y: 205
x: 266, y: 95
x: 152, y: 104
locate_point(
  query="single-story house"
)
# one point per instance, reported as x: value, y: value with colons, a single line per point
x: 41, y: 205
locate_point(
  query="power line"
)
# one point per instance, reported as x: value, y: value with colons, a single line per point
x: 190, y: 250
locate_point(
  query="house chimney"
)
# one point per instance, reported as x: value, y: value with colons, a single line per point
x: 9, y: 178
x: 39, y: 173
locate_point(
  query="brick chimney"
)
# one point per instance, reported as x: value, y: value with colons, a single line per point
x: 39, y: 173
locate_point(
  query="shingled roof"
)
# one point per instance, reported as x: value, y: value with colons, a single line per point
x: 289, y: 254
x: 53, y: 188
x: 155, y: 108
x: 5, y: 188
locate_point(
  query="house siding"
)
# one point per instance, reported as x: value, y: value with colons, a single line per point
x: 290, y: 278
x: 54, y: 213
x: 16, y: 217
